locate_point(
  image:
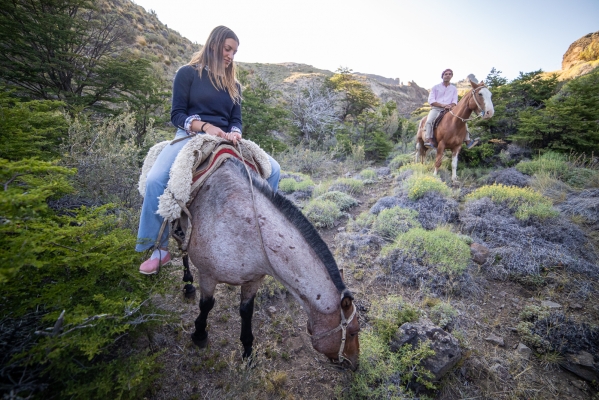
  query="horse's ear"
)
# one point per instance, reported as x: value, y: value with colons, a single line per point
x: 474, y: 85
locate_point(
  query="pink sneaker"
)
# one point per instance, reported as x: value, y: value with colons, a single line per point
x: 152, y: 265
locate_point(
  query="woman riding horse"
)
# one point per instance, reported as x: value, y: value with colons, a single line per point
x: 206, y: 99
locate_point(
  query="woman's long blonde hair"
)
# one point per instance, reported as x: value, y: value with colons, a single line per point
x: 211, y: 56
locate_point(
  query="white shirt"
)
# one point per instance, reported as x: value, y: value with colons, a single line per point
x: 443, y: 94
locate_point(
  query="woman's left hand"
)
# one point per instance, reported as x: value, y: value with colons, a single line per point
x: 231, y: 137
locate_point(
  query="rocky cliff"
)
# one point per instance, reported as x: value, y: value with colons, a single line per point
x: 581, y: 57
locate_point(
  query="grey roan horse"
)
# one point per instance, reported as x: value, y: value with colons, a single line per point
x: 228, y: 246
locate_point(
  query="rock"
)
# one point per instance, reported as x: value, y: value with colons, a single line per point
x: 572, y: 55
x: 582, y: 358
x: 271, y: 310
x: 496, y: 340
x: 500, y: 371
x: 550, y: 304
x: 576, y: 306
x: 446, y: 347
x: 342, y: 229
x: 480, y: 253
x: 582, y: 385
x: 524, y: 350
x: 581, y: 371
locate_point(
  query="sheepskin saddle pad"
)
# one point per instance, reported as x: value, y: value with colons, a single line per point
x: 196, y: 161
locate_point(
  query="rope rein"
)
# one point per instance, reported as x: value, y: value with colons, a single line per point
x: 254, y: 206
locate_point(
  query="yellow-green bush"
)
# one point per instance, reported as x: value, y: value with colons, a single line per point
x: 418, y: 185
x: 322, y: 213
x: 439, y: 248
x: 392, y: 221
x: 364, y: 220
x: 526, y: 202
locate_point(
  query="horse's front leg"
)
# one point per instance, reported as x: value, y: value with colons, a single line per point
x: 200, y: 336
x: 246, y: 311
x: 454, y: 165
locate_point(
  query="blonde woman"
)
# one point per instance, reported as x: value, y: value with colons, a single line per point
x: 206, y: 99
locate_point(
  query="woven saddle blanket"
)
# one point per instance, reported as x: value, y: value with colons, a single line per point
x: 196, y: 161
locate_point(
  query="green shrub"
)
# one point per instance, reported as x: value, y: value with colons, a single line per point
x: 392, y: 221
x: 80, y: 262
x: 418, y: 185
x: 290, y: 185
x: 442, y: 314
x: 439, y: 248
x: 418, y: 168
x: 343, y: 200
x: 384, y: 374
x: 364, y: 220
x: 558, y: 166
x: 348, y: 185
x: 389, y: 313
x: 368, y: 174
x: 400, y: 161
x: 322, y: 213
x: 30, y: 128
x: 525, y: 201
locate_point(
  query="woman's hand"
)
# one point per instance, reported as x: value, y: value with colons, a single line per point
x: 216, y: 131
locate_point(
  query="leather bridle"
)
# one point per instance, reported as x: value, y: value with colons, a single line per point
x: 482, y: 110
x: 343, y: 328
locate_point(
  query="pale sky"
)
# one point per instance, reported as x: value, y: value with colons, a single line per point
x: 413, y: 40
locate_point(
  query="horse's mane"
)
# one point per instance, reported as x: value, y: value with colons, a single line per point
x: 299, y: 220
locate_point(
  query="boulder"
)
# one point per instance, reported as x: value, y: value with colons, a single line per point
x: 446, y: 347
x: 497, y: 340
x: 480, y: 253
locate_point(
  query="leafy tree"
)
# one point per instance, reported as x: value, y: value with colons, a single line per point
x: 494, y: 79
x: 528, y: 91
x: 67, y: 50
x: 261, y: 114
x: 358, y: 97
x: 568, y: 121
x: 29, y: 128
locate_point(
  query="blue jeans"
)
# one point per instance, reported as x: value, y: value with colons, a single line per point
x: 156, y: 181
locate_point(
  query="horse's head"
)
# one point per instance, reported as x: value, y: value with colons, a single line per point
x: 341, y: 344
x: 480, y: 102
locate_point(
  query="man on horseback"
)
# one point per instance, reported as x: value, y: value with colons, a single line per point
x: 443, y: 96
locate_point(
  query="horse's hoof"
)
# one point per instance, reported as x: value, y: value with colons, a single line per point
x: 201, y: 343
x: 189, y: 291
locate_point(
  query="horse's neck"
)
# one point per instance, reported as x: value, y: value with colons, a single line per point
x: 461, y: 109
x: 295, y: 264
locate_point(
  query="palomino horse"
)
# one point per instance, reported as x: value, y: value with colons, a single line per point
x: 242, y: 231
x: 451, y: 131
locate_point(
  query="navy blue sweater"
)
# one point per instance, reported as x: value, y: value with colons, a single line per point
x: 193, y: 95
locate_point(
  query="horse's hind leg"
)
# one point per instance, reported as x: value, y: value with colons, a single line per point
x: 246, y: 311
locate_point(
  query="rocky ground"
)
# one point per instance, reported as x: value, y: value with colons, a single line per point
x: 495, y: 363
